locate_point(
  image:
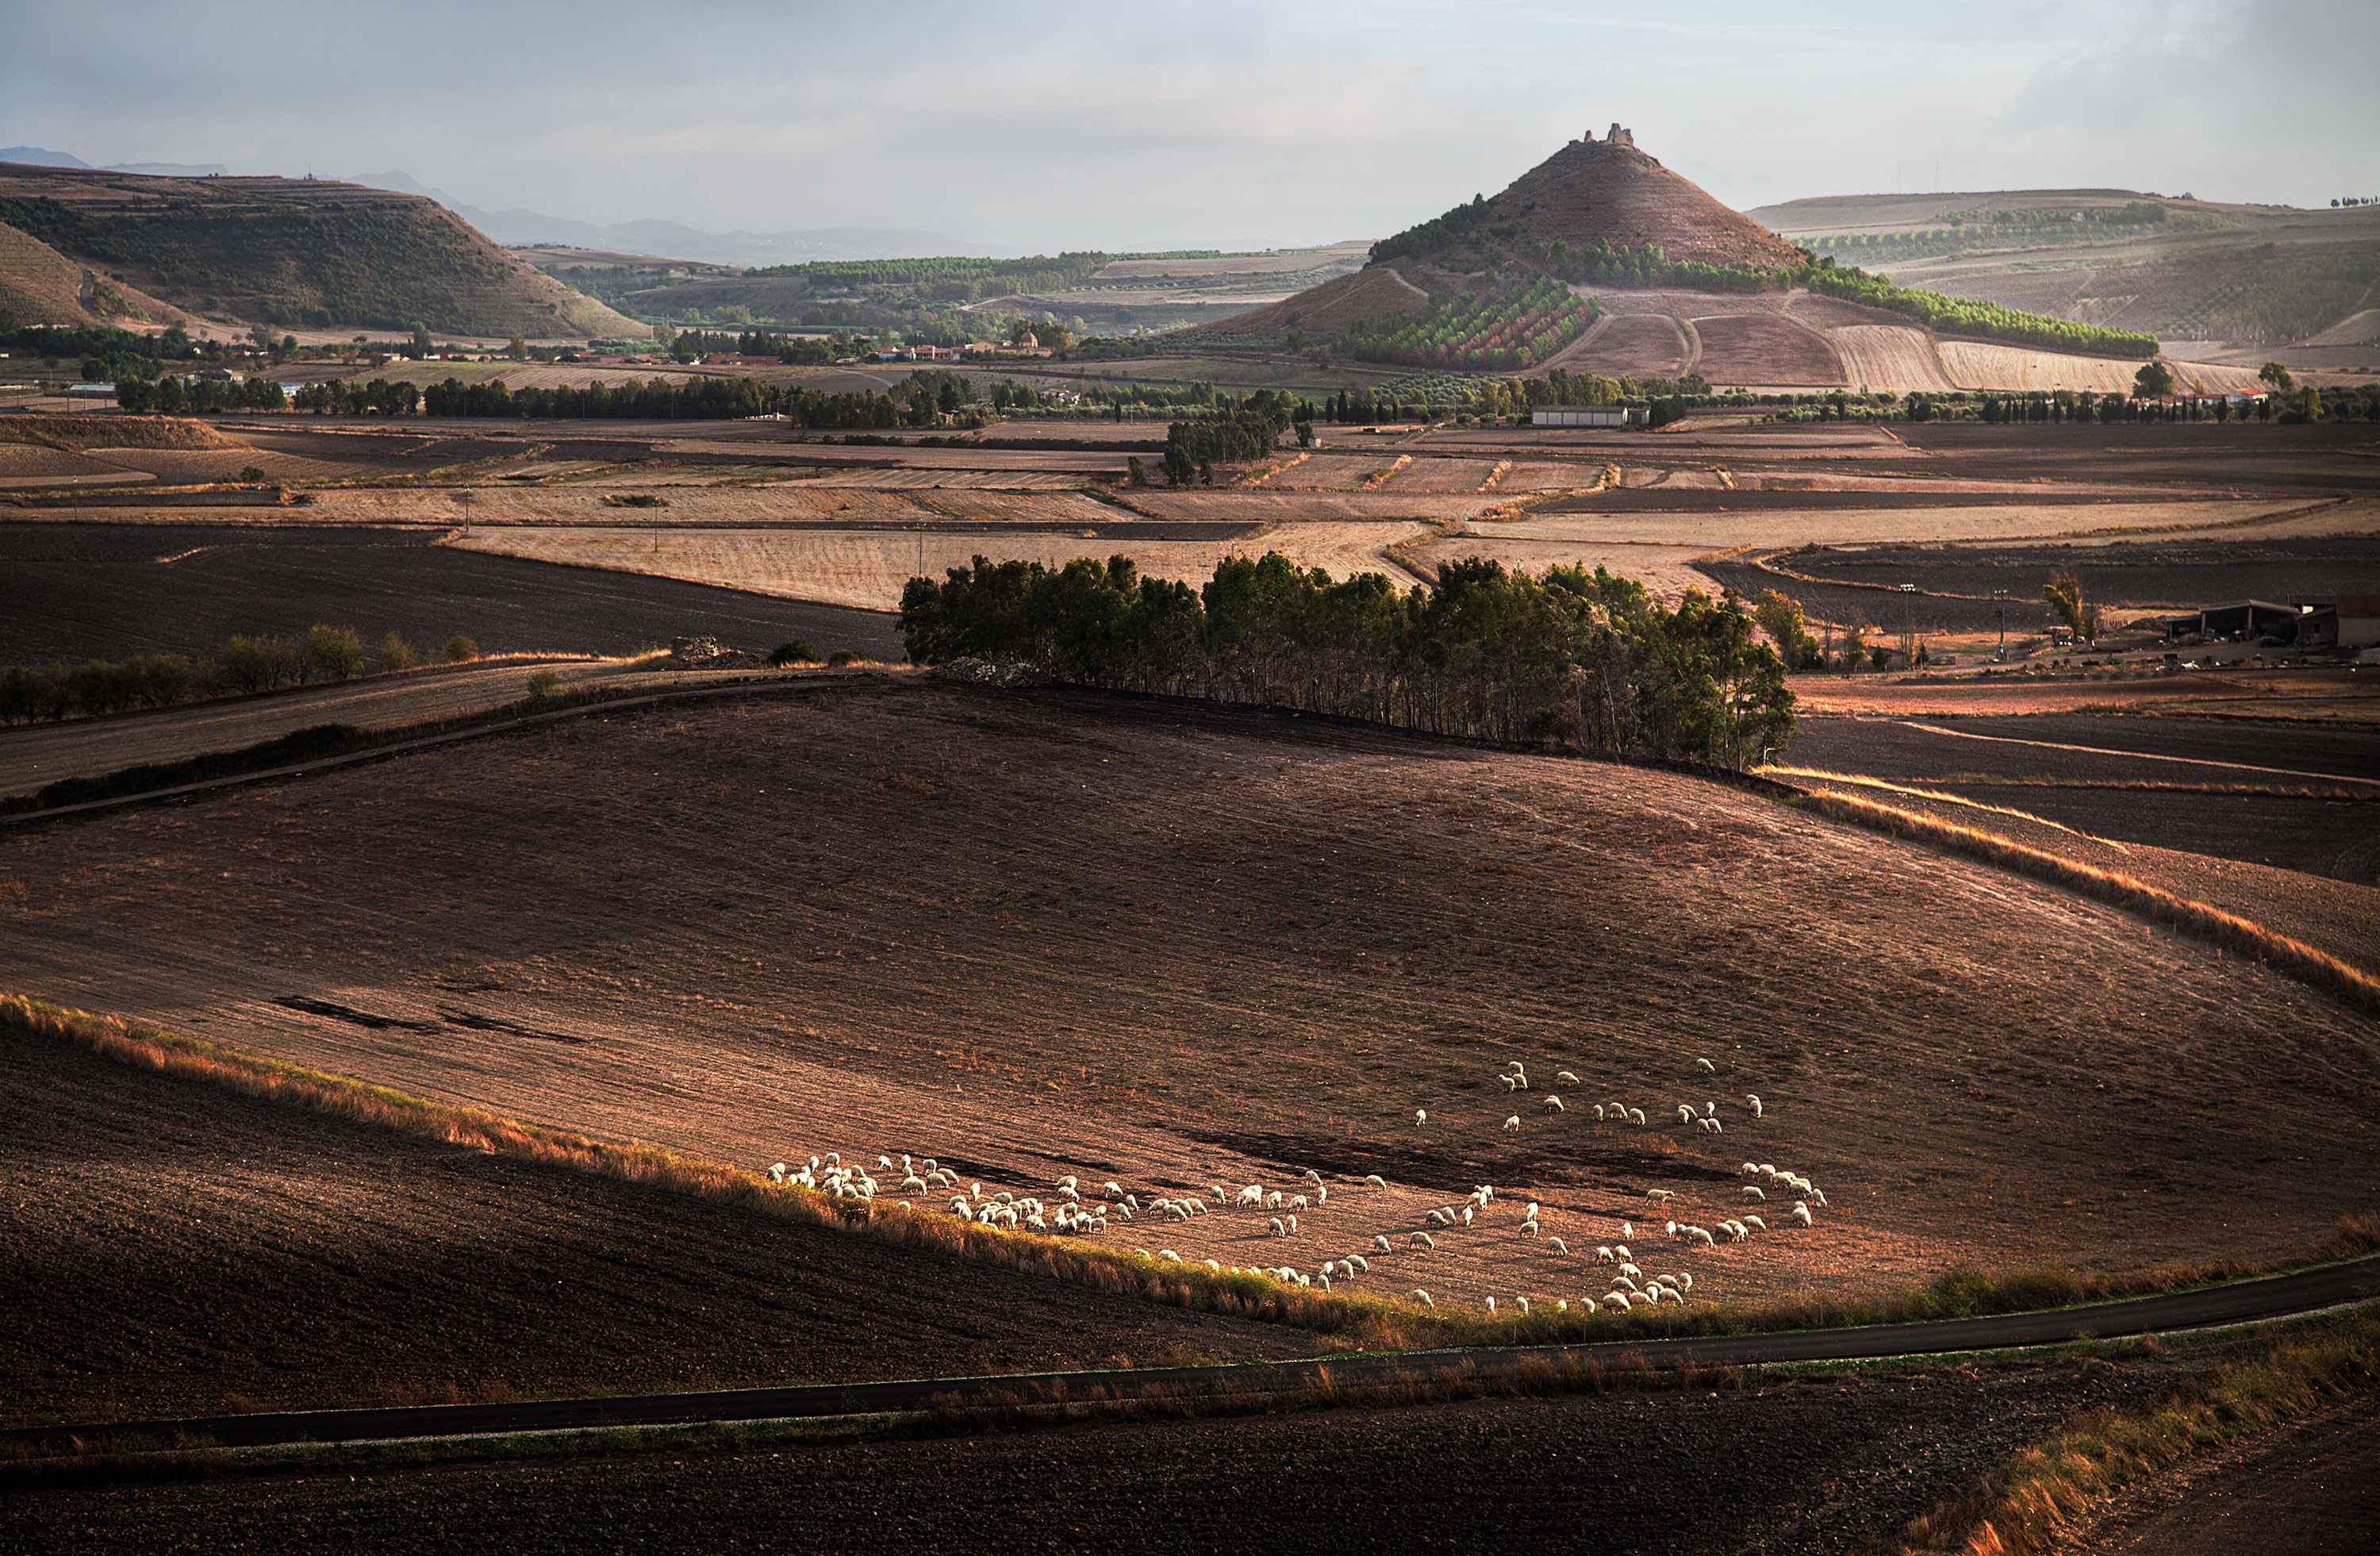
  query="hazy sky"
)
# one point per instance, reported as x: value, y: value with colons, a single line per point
x: 1025, y: 127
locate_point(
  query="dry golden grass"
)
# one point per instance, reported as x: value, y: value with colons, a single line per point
x: 1937, y: 796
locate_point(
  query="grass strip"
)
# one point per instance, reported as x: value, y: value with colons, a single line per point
x: 1937, y: 796
x: 2228, y: 930
x: 1358, y: 1320
x: 2046, y: 1493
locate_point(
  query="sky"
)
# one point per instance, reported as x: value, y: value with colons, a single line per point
x: 1025, y: 128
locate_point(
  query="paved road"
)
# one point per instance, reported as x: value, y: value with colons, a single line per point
x: 2238, y: 1302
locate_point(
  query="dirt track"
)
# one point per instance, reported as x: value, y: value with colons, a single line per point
x: 1179, y: 945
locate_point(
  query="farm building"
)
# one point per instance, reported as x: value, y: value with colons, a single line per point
x: 2239, y: 621
x: 2346, y: 621
x: 1588, y: 416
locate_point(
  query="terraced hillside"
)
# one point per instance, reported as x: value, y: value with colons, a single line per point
x: 300, y: 253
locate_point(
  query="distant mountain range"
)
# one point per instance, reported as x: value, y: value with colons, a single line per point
x: 39, y: 157
x: 667, y: 240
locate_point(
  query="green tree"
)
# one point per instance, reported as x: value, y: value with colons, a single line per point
x: 518, y: 349
x: 2155, y: 381
x: 2064, y: 593
x: 2277, y: 376
x: 1780, y: 618
x: 458, y: 649
x: 1854, y: 649
x: 420, y: 340
x: 334, y: 654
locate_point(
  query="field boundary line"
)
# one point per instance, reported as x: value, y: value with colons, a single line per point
x: 2227, y: 931
x: 2144, y: 755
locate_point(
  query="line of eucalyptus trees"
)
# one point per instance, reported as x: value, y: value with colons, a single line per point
x: 1569, y: 658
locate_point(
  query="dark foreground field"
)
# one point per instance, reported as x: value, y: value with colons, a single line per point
x: 168, y: 1247
x: 1830, y: 1464
x: 77, y: 591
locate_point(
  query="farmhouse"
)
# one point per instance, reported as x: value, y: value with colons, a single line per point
x: 2240, y: 621
x: 2345, y: 621
x: 1588, y: 416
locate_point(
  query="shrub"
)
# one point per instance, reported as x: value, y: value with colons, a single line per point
x: 794, y: 651
x: 458, y: 650
x: 545, y: 683
x: 394, y: 654
x: 254, y: 665
x: 841, y: 657
x: 334, y: 654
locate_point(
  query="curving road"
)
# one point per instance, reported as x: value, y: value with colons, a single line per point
x: 2276, y: 1296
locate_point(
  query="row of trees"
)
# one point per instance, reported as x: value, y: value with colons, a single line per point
x: 187, y: 397
x: 1571, y: 658
x: 347, y: 397
x: 245, y: 665
x: 1967, y: 316
x: 1238, y: 430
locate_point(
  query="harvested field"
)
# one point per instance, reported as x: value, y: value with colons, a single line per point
x: 1630, y: 346
x: 582, y: 504
x: 1897, y: 356
x: 1763, y: 348
x: 1976, y: 365
x: 2254, y: 694
x: 115, y: 431
x: 28, y: 461
x: 1265, y: 506
x: 284, y: 1260
x: 1669, y: 477
x: 868, y: 569
x: 1715, y: 528
x: 1188, y: 945
x: 1668, y: 571
x: 77, y: 591
x: 1538, y: 475
x: 1330, y: 472
x: 1443, y: 475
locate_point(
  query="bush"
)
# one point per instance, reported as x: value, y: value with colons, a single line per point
x: 460, y: 650
x: 334, y: 654
x: 794, y: 651
x: 545, y: 683
x: 841, y: 657
x: 254, y: 665
x: 394, y: 654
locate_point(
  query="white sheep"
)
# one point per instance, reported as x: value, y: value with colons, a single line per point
x: 1635, y: 1116
x: 1753, y: 1102
x: 1467, y: 1213
x: 1599, y: 1113
x: 1802, y: 1213
x: 1555, y: 1104
x: 1362, y: 1264
x: 1566, y: 1078
x: 1168, y: 1253
x: 1557, y: 1244
x: 1381, y: 1242
x: 1292, y: 1225
x: 1321, y: 1194
x: 1423, y: 1297
x: 1752, y: 1191
x: 1686, y: 1113
x: 1523, y: 1303
x: 1603, y: 1255
x: 1376, y: 1181
x: 1299, y: 1203
x: 1699, y: 1234
x: 1632, y: 1272
x: 1421, y: 1240
x: 1421, y: 1116
x: 1622, y: 1249
x: 1513, y: 1125
x: 1492, y: 1306
x: 1310, y: 1175
x: 1115, y: 1190
x: 1627, y: 1230
x: 1616, y: 1302
x: 1663, y: 1194
x: 1669, y: 1230
x: 1511, y: 1083
x: 1756, y: 1223
x: 1529, y: 1227
x: 1820, y: 1196
x: 1705, y: 1066
x: 1277, y: 1229
x: 1712, y: 1126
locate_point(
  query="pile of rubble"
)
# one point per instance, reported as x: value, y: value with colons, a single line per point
x: 706, y: 654
x: 986, y: 673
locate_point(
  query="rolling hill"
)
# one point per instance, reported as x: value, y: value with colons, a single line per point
x: 285, y: 252
x: 1601, y: 260
x: 2214, y: 280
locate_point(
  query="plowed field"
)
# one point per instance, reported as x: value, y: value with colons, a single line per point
x: 1638, y: 346
x: 1762, y: 348
x: 1177, y: 946
x: 1893, y: 357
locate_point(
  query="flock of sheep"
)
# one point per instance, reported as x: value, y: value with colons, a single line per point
x: 1071, y: 1206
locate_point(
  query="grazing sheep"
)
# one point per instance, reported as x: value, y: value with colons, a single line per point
x: 1293, y: 1223
x: 1699, y: 1234
x: 1616, y: 1301
x: 1421, y: 1240
x: 1603, y: 1255
x: 1663, y: 1194
x: 1599, y: 1113
x: 1523, y: 1304
x: 1362, y: 1264
x: 1513, y: 1125
x: 1382, y: 1243
x: 1557, y: 1244
x: 1376, y: 1181
x: 1555, y: 1104
x: 1272, y: 1200
x: 1686, y: 1113
x: 1566, y: 1078
x: 1705, y: 1066
x: 1423, y: 1297
x: 1437, y: 1218
x: 1756, y: 1223
x: 1251, y: 1198
x: 1632, y: 1272
x: 1467, y: 1213
x: 1622, y: 1249
x: 777, y: 1174
x: 1277, y: 1230
x: 1115, y: 1190
x: 1421, y: 1116
x: 1753, y: 1102
x: 1712, y: 1126
x: 1820, y: 1196
x: 1530, y: 1227
x: 1683, y: 1281
x: 1752, y: 1191
x: 1492, y: 1306
x: 1627, y: 1230
x: 1802, y: 1213
x: 1511, y: 1083
x: 1299, y: 1203
x: 1669, y: 1230
x: 913, y: 1180
x: 1321, y: 1194
x: 1635, y: 1116
x: 1168, y: 1253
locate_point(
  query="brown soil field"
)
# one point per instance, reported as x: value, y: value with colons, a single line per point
x: 35, y: 461
x: 1539, y: 476
x: 113, y: 432
x: 1828, y: 1462
x: 1176, y: 945
x: 1266, y: 506
x: 2252, y: 693
x: 268, y: 1258
x: 1374, y: 292
x: 870, y: 568
x: 1898, y: 355
x: 1762, y: 348
x: 1330, y: 472
x: 1719, y: 527
x: 778, y: 503
x: 1977, y: 365
x: 1632, y: 346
